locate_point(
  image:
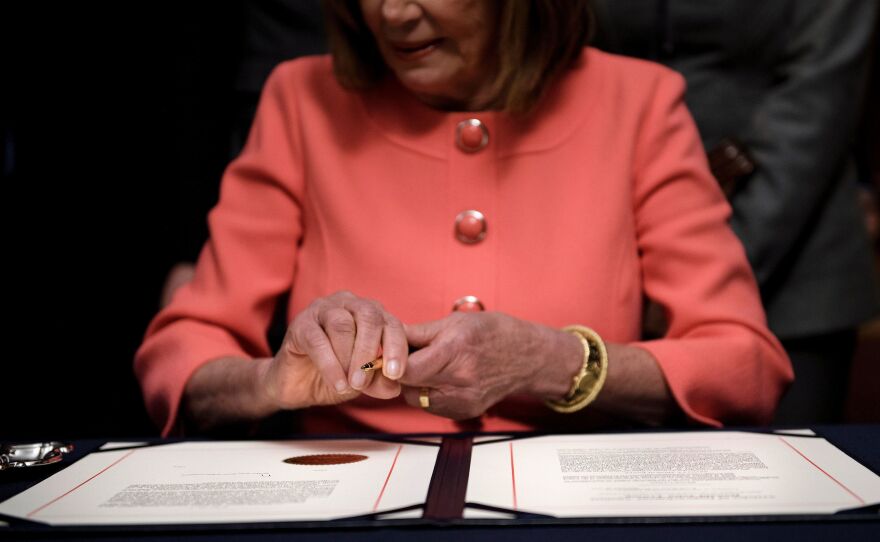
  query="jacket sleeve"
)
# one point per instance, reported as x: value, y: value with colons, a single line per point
x: 247, y: 262
x: 800, y: 133
x: 719, y: 359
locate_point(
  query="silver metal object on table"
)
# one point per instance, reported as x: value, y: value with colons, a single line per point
x: 32, y: 455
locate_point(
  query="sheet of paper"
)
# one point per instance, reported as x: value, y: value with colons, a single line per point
x: 669, y: 474
x: 231, y: 482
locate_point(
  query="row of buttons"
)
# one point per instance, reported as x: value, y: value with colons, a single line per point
x: 471, y: 136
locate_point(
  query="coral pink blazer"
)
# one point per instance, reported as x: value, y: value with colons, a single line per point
x: 600, y: 197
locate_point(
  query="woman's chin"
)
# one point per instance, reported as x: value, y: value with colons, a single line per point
x: 426, y: 80
x: 440, y: 96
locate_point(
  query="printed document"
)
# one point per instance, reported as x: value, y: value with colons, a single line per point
x: 669, y: 474
x: 231, y: 482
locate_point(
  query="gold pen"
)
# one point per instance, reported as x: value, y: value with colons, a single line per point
x: 371, y: 366
x: 377, y: 363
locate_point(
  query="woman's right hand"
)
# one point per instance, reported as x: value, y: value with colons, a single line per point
x: 337, y: 334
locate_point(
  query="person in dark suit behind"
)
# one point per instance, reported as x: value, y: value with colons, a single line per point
x: 776, y: 89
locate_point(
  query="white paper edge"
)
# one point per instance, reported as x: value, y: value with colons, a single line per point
x: 406, y: 514
x: 800, y: 432
x: 116, y: 445
x: 479, y: 513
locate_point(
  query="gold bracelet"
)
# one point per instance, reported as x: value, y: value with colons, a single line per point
x: 588, y: 382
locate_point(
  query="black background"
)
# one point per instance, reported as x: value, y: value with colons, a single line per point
x: 118, y: 117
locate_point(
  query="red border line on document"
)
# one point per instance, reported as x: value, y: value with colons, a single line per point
x: 835, y: 480
x: 379, y: 498
x: 102, y: 471
x: 513, y: 476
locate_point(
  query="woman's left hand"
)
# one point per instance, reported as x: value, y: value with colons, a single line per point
x: 471, y: 361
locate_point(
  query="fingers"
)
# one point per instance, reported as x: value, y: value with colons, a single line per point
x: 421, y: 335
x: 442, y: 402
x: 436, y: 399
x: 425, y: 366
x: 394, y: 352
x: 369, y: 320
x: 305, y: 337
x: 357, y: 330
x: 431, y: 354
x: 339, y: 326
x: 411, y: 396
x: 382, y: 388
x: 395, y: 348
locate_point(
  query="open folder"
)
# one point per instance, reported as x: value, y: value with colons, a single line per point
x: 669, y: 474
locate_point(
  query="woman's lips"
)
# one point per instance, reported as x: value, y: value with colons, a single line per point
x: 414, y: 51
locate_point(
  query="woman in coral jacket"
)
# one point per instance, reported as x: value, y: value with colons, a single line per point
x: 466, y: 194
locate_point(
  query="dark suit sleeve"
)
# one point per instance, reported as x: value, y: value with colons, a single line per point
x: 801, y: 132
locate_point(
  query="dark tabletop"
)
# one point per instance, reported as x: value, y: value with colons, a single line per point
x: 862, y: 442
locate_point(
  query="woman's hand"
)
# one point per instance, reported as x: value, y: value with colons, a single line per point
x: 470, y: 361
x: 337, y: 334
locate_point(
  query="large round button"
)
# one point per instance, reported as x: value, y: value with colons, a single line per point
x: 468, y: 303
x: 470, y: 226
x: 471, y: 135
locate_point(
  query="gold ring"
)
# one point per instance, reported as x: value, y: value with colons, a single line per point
x: 424, y: 401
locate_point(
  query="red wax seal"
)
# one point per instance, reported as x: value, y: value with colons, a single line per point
x: 325, y: 459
